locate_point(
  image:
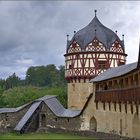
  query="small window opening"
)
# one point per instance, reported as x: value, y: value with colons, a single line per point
x: 96, y: 105
x: 102, y: 65
x: 43, y: 120
x: 121, y: 63
x: 137, y: 109
x: 109, y: 106
x: 105, y: 87
x: 125, y: 107
x: 6, y: 117
x: 104, y: 105
x: 120, y: 107
x: 73, y: 86
x: 115, y: 106
x: 70, y: 66
x: 132, y: 108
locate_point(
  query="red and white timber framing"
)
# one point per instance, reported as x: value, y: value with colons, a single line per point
x: 93, y: 60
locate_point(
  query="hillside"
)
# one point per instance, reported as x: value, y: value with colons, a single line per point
x: 23, y: 94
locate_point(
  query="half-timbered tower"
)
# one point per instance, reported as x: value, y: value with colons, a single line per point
x: 91, y: 51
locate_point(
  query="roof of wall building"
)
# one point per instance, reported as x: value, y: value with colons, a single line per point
x: 11, y: 110
x: 54, y: 105
x: 52, y: 102
x: 59, y: 110
x: 115, y: 72
x: 102, y: 33
x: 27, y: 116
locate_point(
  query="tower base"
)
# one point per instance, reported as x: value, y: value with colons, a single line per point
x: 78, y: 94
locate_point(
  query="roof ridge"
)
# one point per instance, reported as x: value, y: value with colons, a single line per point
x: 46, y: 97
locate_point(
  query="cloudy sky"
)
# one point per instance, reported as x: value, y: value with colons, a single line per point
x: 34, y: 33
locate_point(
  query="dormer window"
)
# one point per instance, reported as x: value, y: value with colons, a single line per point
x: 74, y: 47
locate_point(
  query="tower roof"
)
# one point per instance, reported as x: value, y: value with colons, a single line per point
x: 95, y: 29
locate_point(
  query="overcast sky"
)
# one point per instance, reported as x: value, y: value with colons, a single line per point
x: 34, y: 33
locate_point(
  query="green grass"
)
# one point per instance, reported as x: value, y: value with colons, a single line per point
x: 41, y: 136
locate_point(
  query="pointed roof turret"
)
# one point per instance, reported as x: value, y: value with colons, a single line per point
x: 84, y: 36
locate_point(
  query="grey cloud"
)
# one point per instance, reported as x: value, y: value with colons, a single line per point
x: 34, y: 32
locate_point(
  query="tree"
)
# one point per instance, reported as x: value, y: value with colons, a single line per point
x: 12, y: 81
x: 37, y: 76
x: 2, y: 84
x: 62, y: 75
x: 43, y: 75
x: 52, y: 75
x: 1, y: 97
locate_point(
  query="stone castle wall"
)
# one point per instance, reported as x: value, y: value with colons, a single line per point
x: 52, y: 121
x: 108, y: 119
x: 8, y: 121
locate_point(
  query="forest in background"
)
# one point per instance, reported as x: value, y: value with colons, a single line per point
x: 39, y: 81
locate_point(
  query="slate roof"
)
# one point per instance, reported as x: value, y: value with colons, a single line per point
x: 59, y: 110
x: 115, y: 72
x: 103, y: 34
x: 27, y: 116
x: 11, y: 110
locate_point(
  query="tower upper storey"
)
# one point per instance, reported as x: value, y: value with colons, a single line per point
x: 95, y: 30
x: 92, y: 50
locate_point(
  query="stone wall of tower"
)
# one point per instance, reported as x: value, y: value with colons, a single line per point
x: 78, y: 93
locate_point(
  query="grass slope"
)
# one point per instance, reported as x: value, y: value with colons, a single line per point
x: 41, y: 136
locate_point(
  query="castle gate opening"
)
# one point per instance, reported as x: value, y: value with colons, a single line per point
x: 93, y: 124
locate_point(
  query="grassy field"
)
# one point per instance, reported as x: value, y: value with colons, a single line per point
x: 41, y: 136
